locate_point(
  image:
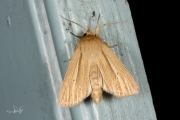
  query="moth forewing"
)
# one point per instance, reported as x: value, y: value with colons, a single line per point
x: 75, y: 86
x: 125, y: 79
x: 94, y: 68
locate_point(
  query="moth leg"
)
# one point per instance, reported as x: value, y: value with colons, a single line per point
x: 78, y: 38
x: 67, y: 60
x: 70, y: 58
x: 112, y: 46
x: 109, y: 46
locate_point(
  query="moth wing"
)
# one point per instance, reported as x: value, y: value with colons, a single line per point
x: 76, y: 86
x: 116, y: 78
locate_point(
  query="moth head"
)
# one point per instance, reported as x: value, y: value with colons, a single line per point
x: 88, y: 32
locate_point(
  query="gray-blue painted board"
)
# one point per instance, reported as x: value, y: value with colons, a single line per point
x: 35, y: 41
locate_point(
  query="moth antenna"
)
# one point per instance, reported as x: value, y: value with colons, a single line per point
x: 97, y: 27
x: 74, y: 23
x: 111, y: 24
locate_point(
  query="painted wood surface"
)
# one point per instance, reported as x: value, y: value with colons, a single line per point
x: 35, y: 41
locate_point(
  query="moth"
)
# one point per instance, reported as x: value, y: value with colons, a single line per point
x: 94, y: 68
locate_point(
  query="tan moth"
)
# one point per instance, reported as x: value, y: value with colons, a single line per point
x: 94, y: 68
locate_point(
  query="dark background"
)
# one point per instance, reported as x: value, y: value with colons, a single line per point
x: 146, y: 17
